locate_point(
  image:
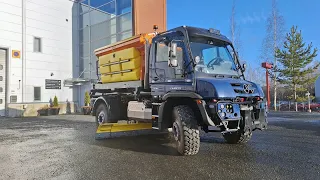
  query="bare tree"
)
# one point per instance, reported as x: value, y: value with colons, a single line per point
x: 234, y: 31
x: 274, y: 38
x: 254, y: 75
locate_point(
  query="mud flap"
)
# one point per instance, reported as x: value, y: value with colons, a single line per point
x: 263, y: 122
x: 247, y: 123
x: 251, y: 123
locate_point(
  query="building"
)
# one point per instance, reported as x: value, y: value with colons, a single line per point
x: 46, y: 49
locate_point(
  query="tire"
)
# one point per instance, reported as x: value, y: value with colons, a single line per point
x: 185, y: 130
x: 238, y: 137
x: 104, y: 115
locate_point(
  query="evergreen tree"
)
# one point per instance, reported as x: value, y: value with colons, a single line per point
x: 55, y: 101
x: 86, y: 98
x: 296, y: 64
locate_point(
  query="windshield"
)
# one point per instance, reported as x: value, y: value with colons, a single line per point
x: 215, y: 58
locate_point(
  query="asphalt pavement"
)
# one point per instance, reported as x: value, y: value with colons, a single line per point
x: 63, y: 147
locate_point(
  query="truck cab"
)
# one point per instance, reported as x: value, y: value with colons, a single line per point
x: 192, y: 79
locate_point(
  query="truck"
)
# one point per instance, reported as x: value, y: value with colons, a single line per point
x: 182, y: 81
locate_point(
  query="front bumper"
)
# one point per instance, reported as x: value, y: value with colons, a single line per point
x: 221, y: 113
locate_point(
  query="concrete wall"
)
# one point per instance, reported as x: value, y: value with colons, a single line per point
x: 11, y: 38
x: 29, y: 110
x: 148, y: 13
x: 52, y: 21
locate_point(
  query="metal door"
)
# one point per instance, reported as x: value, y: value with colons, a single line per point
x: 3, y: 57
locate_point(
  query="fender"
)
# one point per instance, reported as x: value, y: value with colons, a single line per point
x: 181, y: 94
x: 165, y: 119
x: 94, y: 104
x: 206, y: 118
x: 170, y: 100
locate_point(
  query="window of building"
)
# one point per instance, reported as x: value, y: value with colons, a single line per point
x: 13, y: 99
x: 85, y: 2
x: 109, y: 8
x: 84, y: 50
x: 98, y: 3
x: 37, y: 44
x: 37, y: 93
x: 124, y: 22
x: 124, y: 6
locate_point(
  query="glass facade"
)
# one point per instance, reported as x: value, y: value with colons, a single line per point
x: 101, y: 22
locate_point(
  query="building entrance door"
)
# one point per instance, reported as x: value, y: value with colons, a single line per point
x: 3, y: 57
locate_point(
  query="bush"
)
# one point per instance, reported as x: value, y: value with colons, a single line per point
x: 55, y: 101
x: 86, y: 99
x: 50, y: 102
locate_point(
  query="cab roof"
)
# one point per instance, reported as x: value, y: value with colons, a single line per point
x: 196, y: 32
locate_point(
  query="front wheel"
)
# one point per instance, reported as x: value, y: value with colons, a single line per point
x: 185, y: 130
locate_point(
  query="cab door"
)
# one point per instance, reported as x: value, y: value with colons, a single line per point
x: 162, y: 77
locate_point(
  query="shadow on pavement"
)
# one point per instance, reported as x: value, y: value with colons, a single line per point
x: 152, y: 144
x: 210, y: 139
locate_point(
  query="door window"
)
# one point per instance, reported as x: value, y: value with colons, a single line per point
x: 162, y: 56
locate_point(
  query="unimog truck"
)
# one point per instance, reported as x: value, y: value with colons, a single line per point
x: 183, y: 80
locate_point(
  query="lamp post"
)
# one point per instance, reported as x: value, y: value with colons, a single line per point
x: 308, y: 94
x: 267, y: 66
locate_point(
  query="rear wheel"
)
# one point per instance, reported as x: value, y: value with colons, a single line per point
x: 103, y: 114
x: 111, y: 111
x: 185, y: 130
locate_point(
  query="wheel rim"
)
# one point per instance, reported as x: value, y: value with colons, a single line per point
x: 175, y: 131
x: 101, y: 117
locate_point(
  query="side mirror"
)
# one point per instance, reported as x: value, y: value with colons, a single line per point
x: 173, y: 50
x: 173, y: 62
x: 244, y: 66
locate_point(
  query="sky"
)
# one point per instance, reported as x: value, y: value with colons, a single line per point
x: 251, y: 18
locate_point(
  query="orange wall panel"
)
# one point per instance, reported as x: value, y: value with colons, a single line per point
x: 147, y: 13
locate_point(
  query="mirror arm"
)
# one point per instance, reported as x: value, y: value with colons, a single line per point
x: 238, y: 62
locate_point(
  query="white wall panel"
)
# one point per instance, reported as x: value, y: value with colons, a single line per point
x: 10, y: 36
x: 10, y: 27
x: 15, y: 3
x: 62, y: 6
x: 9, y: 8
x: 51, y: 20
x: 54, y: 66
x: 11, y: 18
x: 55, y: 42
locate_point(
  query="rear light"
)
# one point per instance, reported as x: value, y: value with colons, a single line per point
x: 241, y: 99
x: 214, y: 100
